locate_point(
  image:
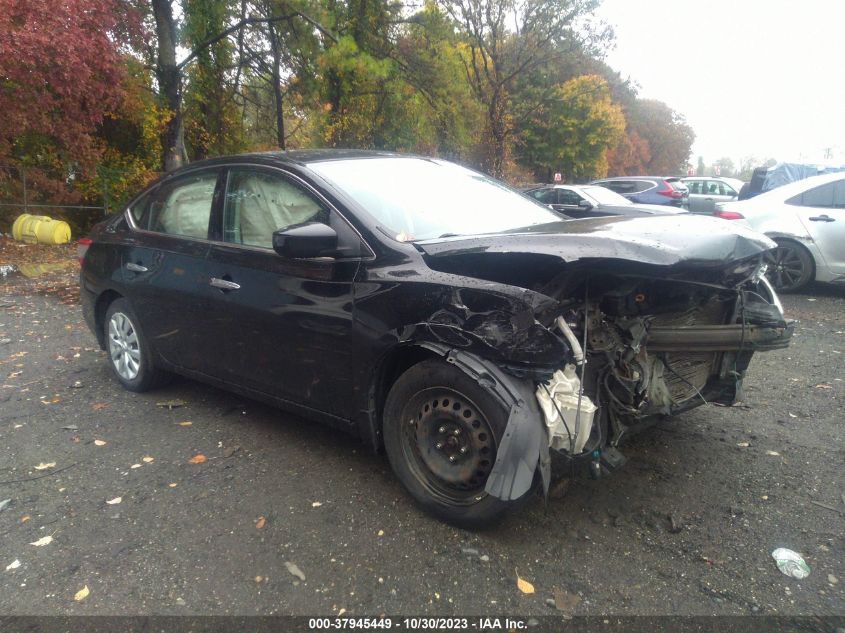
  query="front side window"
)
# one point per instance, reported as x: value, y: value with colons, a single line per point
x: 546, y: 196
x: 258, y: 203
x: 568, y: 198
x: 182, y: 207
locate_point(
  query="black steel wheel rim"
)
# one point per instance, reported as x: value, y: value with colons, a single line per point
x: 786, y: 268
x: 448, y: 445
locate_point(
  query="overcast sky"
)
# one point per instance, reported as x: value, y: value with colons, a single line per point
x: 752, y: 77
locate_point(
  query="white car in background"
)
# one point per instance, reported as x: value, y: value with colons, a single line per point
x: 705, y: 192
x: 807, y: 220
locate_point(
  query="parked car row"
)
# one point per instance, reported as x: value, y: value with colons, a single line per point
x: 805, y: 218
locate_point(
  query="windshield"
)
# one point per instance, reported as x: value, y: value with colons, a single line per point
x: 606, y: 196
x: 421, y: 199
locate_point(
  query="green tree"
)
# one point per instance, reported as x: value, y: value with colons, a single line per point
x: 573, y: 134
x: 507, y: 39
x: 212, y: 121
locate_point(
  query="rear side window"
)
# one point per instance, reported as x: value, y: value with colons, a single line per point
x: 182, y: 207
x: 829, y: 196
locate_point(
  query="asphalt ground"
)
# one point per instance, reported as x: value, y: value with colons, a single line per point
x: 283, y: 516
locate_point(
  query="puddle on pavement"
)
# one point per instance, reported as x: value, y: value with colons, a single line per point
x: 30, y: 271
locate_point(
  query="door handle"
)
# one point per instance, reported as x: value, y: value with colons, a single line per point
x: 136, y: 268
x: 822, y: 218
x: 224, y: 284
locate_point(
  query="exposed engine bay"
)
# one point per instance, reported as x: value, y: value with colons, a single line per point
x: 644, y: 348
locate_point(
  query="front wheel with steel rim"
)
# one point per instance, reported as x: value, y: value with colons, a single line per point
x: 789, y: 266
x: 441, y: 433
x: 128, y: 353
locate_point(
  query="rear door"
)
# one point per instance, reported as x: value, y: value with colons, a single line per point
x: 822, y: 212
x: 287, y: 322
x: 164, y: 266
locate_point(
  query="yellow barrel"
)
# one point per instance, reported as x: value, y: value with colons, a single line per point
x: 40, y: 229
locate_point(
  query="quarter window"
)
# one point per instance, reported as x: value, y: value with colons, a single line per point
x: 259, y: 203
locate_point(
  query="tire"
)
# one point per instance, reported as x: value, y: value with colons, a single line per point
x: 790, y: 266
x: 432, y: 412
x: 129, y: 355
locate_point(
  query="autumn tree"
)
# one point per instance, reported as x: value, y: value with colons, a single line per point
x: 667, y: 133
x: 60, y: 73
x: 630, y: 156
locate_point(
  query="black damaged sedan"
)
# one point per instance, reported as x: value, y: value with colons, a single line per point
x: 431, y: 310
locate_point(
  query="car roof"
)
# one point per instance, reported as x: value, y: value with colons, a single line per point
x: 299, y: 157
x: 633, y: 178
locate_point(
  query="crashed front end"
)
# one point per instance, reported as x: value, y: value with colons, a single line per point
x: 640, y: 340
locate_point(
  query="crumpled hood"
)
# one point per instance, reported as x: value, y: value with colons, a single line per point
x: 664, y: 240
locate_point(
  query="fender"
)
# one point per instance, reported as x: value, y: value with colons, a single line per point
x: 525, y: 444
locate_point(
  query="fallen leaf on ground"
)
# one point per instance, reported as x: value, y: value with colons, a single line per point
x: 70, y: 427
x: 135, y: 466
x: 25, y: 518
x: 523, y: 585
x: 147, y: 459
x: 294, y: 570
x: 381, y: 532
x: 773, y: 453
x: 316, y: 504
x: 197, y: 459
x: 743, y: 444
x: 173, y: 485
x: 13, y: 565
x: 185, y: 423
x: 565, y: 601
x: 43, y: 466
x: 114, y: 501
x: 44, y: 540
x: 231, y: 451
x: 171, y: 404
x: 100, y: 442
x: 823, y: 386
x: 4, y: 503
x: 80, y: 595
x: 99, y: 406
x: 260, y: 522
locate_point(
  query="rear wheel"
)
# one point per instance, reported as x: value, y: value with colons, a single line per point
x: 129, y: 354
x: 441, y: 433
x: 790, y: 266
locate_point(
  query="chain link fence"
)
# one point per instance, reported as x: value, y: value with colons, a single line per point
x: 18, y: 195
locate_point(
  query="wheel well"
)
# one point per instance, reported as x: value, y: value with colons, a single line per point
x: 396, y: 363
x: 103, y: 302
x: 793, y: 242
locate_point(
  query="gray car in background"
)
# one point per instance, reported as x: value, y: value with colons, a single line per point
x: 706, y: 191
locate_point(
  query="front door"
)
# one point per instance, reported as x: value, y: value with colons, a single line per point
x: 822, y: 212
x: 285, y: 324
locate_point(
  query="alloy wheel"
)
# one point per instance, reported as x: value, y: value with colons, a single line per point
x: 124, y: 348
x: 786, y: 268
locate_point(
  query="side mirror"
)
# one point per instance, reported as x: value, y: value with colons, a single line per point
x: 305, y: 241
x: 586, y: 205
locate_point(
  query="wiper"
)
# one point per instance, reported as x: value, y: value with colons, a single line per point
x: 449, y: 235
